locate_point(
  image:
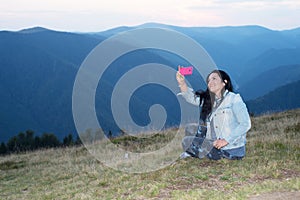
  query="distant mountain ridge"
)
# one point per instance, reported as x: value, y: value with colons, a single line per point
x: 286, y: 97
x: 270, y: 80
x: 37, y: 71
x: 38, y: 68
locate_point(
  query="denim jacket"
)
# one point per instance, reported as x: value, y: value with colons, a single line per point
x: 231, y: 119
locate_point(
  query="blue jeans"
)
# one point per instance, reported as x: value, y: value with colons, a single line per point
x: 200, y: 147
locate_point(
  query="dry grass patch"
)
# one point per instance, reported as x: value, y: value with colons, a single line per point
x: 271, y: 165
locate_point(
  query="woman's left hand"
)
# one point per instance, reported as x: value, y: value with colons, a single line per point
x: 220, y: 143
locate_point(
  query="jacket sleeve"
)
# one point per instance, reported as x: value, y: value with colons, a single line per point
x: 190, y: 97
x: 242, y: 117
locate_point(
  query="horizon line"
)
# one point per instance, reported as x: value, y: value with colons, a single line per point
x: 144, y: 24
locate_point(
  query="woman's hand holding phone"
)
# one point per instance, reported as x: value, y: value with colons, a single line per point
x: 180, y: 79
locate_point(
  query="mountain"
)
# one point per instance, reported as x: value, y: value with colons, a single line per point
x: 270, y: 59
x: 245, y: 51
x: 38, y: 67
x: 270, y: 80
x: 286, y: 97
x: 37, y: 72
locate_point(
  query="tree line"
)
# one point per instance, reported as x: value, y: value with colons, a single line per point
x: 29, y: 142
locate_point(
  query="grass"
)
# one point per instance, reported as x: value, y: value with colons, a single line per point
x: 271, y: 165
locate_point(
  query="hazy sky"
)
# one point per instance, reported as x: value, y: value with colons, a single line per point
x: 97, y: 15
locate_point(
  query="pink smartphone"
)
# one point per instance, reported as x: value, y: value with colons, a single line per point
x: 186, y: 70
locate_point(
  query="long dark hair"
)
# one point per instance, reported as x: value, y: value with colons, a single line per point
x: 208, y: 98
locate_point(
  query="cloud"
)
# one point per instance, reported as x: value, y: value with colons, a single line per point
x: 94, y: 15
x: 276, y: 14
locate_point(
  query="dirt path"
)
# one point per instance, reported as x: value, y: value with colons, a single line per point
x: 277, y: 196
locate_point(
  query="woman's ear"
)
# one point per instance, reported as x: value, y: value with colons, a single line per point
x: 225, y: 81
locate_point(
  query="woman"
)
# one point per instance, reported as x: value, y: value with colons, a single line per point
x: 223, y: 113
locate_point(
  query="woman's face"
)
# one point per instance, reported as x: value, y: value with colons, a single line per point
x: 215, y: 84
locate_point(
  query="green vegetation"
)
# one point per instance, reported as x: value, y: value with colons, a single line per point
x: 28, y: 142
x: 271, y: 165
